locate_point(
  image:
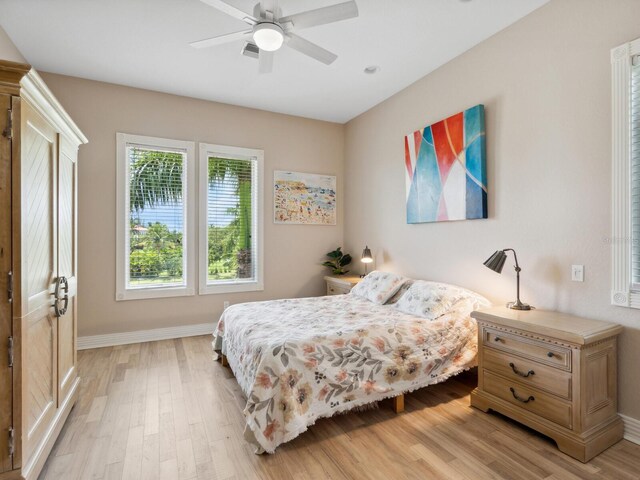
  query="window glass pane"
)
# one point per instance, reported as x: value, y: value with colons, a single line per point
x: 230, y: 220
x: 156, y: 217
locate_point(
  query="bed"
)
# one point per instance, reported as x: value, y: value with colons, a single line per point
x: 298, y: 360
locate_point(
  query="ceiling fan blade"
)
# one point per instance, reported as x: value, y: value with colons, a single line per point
x: 311, y: 49
x: 265, y: 61
x: 321, y: 16
x: 231, y: 10
x: 221, y: 39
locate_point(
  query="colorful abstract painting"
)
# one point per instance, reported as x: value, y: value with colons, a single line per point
x: 445, y: 169
x: 304, y: 198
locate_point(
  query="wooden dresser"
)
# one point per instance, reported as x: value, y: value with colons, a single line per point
x: 555, y: 373
x: 38, y: 270
x: 340, y: 285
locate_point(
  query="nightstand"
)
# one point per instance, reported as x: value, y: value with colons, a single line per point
x: 338, y: 285
x: 553, y: 372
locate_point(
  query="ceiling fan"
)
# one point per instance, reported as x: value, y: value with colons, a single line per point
x: 269, y: 31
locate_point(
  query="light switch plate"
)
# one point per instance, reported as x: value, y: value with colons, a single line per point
x: 577, y: 273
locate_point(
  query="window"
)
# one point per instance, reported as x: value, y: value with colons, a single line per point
x: 625, y: 240
x: 155, y: 244
x: 230, y: 219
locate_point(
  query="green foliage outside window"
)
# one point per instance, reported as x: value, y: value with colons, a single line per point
x: 230, y: 245
x: 155, y: 179
x: 156, y: 254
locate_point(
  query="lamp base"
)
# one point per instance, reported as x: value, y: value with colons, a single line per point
x: 519, y: 306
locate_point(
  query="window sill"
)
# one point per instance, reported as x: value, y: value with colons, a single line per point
x: 236, y: 287
x: 146, y: 293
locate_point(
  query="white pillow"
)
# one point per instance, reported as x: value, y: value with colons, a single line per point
x: 379, y: 287
x: 432, y: 299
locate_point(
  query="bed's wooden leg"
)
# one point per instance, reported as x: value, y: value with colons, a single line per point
x: 223, y: 360
x: 398, y: 403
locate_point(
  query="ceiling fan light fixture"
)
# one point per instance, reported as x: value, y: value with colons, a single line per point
x: 268, y: 36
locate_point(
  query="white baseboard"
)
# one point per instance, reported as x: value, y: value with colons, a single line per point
x: 125, y: 338
x: 631, y: 429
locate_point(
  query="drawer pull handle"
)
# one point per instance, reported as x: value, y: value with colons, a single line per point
x: 497, y: 339
x: 520, y: 399
x: 518, y: 372
x: 550, y: 354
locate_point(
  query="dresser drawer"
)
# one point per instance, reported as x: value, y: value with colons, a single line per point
x: 531, y: 399
x: 542, y: 352
x: 333, y: 289
x: 529, y: 372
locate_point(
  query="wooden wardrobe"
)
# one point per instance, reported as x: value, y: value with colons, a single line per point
x: 38, y: 269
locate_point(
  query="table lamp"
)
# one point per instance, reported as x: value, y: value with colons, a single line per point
x: 366, y: 258
x: 495, y: 262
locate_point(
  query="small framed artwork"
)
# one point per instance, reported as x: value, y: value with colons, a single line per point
x: 304, y: 198
x: 445, y: 169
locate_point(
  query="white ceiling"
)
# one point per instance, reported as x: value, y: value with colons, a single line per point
x: 144, y: 43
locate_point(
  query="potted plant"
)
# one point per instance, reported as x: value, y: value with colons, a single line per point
x: 338, y: 261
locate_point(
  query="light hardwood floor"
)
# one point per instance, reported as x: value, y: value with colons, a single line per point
x: 167, y: 410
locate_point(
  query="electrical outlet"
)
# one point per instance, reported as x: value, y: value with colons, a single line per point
x: 225, y: 305
x: 577, y: 273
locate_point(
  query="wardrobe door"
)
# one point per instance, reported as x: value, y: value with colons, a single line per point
x: 6, y: 371
x: 39, y: 269
x: 67, y: 268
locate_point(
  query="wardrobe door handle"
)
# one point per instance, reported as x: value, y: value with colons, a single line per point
x: 550, y: 354
x: 61, y: 311
x: 518, y: 372
x: 519, y: 398
x: 61, y: 284
x: 497, y: 339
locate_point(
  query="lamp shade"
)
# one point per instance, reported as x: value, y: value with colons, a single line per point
x: 366, y: 255
x: 268, y: 36
x: 496, y: 261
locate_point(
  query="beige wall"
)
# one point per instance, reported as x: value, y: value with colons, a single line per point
x: 293, y: 253
x: 545, y: 83
x: 8, y: 51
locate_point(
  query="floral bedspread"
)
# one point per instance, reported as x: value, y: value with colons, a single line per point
x: 301, y: 359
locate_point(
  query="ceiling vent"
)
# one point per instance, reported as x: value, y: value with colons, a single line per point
x: 250, y: 50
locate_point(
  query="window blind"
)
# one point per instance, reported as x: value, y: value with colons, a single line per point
x: 635, y: 173
x: 156, y: 210
x: 231, y: 216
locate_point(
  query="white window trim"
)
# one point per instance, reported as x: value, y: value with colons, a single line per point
x: 235, y: 286
x: 122, y: 220
x: 621, y: 292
